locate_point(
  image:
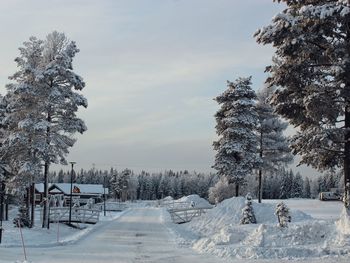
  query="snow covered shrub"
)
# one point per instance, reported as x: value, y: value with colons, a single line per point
x: 22, y: 218
x: 220, y: 191
x: 282, y: 212
x: 248, y: 216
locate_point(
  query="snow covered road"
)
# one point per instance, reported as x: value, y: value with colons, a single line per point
x: 137, y: 236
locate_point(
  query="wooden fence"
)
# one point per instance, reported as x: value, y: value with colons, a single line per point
x: 181, y: 215
x: 79, y: 215
x: 110, y: 206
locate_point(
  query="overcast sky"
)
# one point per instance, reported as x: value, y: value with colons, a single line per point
x: 152, y: 69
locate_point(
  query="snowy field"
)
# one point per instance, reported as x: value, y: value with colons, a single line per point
x: 314, y: 207
x: 144, y: 233
x: 57, y: 234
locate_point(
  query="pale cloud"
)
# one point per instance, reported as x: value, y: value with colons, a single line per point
x: 152, y: 69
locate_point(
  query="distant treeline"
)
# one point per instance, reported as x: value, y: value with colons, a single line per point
x: 150, y: 186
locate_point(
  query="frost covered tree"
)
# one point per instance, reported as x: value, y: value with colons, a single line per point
x: 283, y: 215
x: 236, y: 122
x: 220, y: 191
x: 114, y: 186
x: 123, y: 183
x: 312, y: 68
x: 307, y: 188
x: 287, y: 183
x: 248, y: 216
x: 297, y: 186
x: 273, y: 145
x: 42, y: 104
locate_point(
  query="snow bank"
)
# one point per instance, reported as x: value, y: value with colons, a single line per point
x: 229, y: 212
x: 343, y: 224
x: 168, y: 198
x: 196, y: 200
x: 219, y: 232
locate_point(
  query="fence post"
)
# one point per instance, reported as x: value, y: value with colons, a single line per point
x: 20, y: 230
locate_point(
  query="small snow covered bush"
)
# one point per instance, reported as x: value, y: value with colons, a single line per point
x: 248, y: 216
x: 22, y: 219
x: 220, y: 191
x: 282, y: 212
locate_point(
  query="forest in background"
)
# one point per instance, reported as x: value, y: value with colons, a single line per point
x: 151, y: 186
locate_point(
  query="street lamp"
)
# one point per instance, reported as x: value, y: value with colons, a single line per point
x: 71, y: 189
x: 104, y: 195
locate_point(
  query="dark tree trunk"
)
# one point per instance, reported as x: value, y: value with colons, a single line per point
x: 46, y: 174
x: 260, y: 186
x: 2, y: 207
x: 260, y: 172
x: 46, y: 194
x: 347, y: 132
x: 28, y: 204
x: 2, y: 192
x: 347, y: 157
x: 237, y: 189
x: 32, y: 218
x: 6, y: 211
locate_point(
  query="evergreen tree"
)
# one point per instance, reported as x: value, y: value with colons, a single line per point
x: 273, y: 145
x: 60, y: 176
x: 297, y: 186
x: 311, y: 69
x: 287, y: 183
x: 236, y: 119
x: 283, y: 215
x: 114, y: 187
x: 307, y: 188
x: 43, y: 101
x: 248, y: 216
x: 123, y: 183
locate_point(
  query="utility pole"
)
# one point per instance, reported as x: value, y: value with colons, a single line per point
x: 104, y: 195
x: 71, y: 189
x: 2, y: 193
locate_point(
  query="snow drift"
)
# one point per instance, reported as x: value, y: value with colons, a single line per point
x: 195, y: 200
x: 219, y: 232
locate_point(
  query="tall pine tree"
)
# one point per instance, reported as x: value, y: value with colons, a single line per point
x: 273, y: 145
x: 42, y: 104
x: 312, y: 68
x: 236, y: 122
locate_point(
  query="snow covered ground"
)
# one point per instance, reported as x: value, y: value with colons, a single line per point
x: 312, y: 233
x: 57, y: 234
x: 314, y: 207
x: 145, y: 233
x: 138, y: 235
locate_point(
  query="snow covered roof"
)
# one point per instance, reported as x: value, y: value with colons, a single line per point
x: 40, y: 187
x: 84, y: 188
x: 65, y: 188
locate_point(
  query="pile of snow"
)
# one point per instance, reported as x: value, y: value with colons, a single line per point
x: 219, y: 232
x: 195, y: 200
x: 343, y: 224
x: 229, y: 212
x: 168, y: 198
